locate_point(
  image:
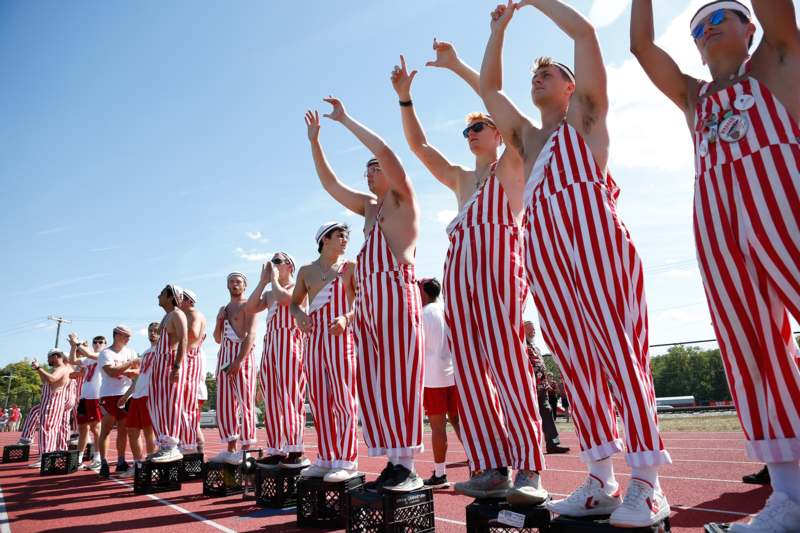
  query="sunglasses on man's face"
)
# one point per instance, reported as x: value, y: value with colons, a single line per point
x: 278, y: 261
x: 715, y: 18
x: 98, y: 342
x: 477, y: 128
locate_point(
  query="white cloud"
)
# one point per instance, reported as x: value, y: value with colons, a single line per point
x: 605, y: 12
x: 444, y: 216
x: 142, y: 332
x: 252, y: 255
x: 253, y: 235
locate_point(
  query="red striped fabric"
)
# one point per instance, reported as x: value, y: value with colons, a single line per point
x: 330, y: 364
x: 484, y: 288
x: 588, y: 285
x: 236, y: 415
x: 52, y: 436
x: 165, y: 401
x: 747, y: 234
x: 388, y: 333
x: 31, y: 423
x: 189, y: 426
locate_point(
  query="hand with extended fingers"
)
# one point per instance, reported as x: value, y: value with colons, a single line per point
x: 312, y: 123
x: 446, y: 55
x: 502, y: 15
x: 338, y: 113
x: 267, y: 272
x: 401, y: 79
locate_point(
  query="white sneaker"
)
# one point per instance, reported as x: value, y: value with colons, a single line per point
x: 94, y: 465
x: 487, y: 484
x: 220, y: 457
x: 587, y: 500
x: 314, y: 471
x: 167, y: 455
x: 234, y: 458
x: 527, y: 489
x: 642, y: 506
x: 337, y: 475
x: 130, y: 472
x: 779, y: 515
x: 37, y: 464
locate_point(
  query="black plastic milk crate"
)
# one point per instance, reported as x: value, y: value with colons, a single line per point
x: 276, y: 487
x: 482, y: 517
x: 57, y: 463
x: 391, y: 512
x: 16, y: 453
x: 149, y: 477
x: 714, y: 527
x: 87, y: 452
x: 600, y: 524
x: 321, y: 504
x: 221, y: 479
x: 192, y: 467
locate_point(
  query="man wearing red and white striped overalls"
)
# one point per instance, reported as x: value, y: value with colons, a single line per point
x: 583, y: 269
x: 235, y: 331
x: 329, y: 358
x: 55, y: 392
x: 281, y: 381
x: 138, y: 423
x: 388, y: 308
x: 498, y: 409
x: 196, y: 335
x: 746, y: 129
x: 165, y: 397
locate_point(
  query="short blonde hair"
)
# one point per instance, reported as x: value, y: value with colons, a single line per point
x: 547, y: 61
x: 477, y: 116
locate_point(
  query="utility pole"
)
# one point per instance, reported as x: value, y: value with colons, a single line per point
x: 59, y: 320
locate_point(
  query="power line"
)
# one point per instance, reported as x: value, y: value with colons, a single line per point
x: 704, y: 341
x: 59, y: 320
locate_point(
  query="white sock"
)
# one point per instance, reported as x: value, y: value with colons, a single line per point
x: 438, y: 469
x: 393, y: 458
x: 80, y: 457
x: 96, y: 457
x: 604, y: 471
x: 646, y: 473
x: 407, y: 462
x: 785, y: 477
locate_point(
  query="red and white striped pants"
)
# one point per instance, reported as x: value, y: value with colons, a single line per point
x: 485, y: 287
x: 236, y: 415
x: 588, y: 287
x: 330, y: 363
x: 31, y: 422
x: 283, y: 387
x: 388, y: 333
x: 165, y: 399
x: 52, y: 431
x: 747, y: 233
x: 189, y: 424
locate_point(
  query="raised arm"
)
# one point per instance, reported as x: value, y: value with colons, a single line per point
x: 438, y: 165
x: 777, y: 18
x: 353, y: 200
x: 657, y: 64
x: 591, y: 90
x: 387, y: 159
x: 510, y: 120
x: 259, y: 300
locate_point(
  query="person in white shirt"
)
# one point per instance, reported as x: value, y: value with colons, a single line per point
x: 118, y: 365
x: 137, y: 422
x: 85, y: 359
x: 440, y: 398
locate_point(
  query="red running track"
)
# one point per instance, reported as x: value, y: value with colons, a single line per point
x: 703, y: 485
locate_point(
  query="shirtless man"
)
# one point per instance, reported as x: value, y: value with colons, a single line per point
x: 166, y: 395
x: 745, y: 125
x: 329, y: 358
x: 583, y: 268
x: 55, y: 387
x: 196, y: 335
x: 235, y: 331
x: 499, y: 412
x: 388, y: 343
x: 281, y: 380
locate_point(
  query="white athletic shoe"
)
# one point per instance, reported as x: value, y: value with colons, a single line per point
x: 587, y: 500
x: 220, y: 457
x: 167, y: 455
x: 234, y: 458
x: 314, y: 471
x: 24, y: 442
x: 94, y: 465
x: 37, y: 464
x: 642, y: 506
x: 779, y: 515
x: 338, y: 475
x: 490, y: 483
x: 527, y: 489
x: 130, y: 472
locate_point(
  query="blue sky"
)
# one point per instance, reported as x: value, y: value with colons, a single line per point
x: 153, y: 142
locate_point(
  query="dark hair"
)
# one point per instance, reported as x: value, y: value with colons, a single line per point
x: 328, y: 234
x: 151, y: 324
x: 99, y: 338
x: 168, y: 290
x: 432, y: 288
x: 743, y: 18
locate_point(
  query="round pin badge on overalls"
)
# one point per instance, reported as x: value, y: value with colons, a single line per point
x: 703, y: 148
x: 744, y: 102
x: 733, y: 128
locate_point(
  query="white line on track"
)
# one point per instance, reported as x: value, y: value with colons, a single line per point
x: 198, y: 517
x: 5, y: 525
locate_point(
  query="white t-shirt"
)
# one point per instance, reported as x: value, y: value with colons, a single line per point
x: 112, y: 386
x: 202, y: 390
x: 438, y: 357
x: 145, y: 371
x: 91, y: 379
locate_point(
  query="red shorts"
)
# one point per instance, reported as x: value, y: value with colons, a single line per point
x: 138, y: 414
x: 108, y: 406
x: 440, y: 400
x: 88, y: 411
x: 199, y: 410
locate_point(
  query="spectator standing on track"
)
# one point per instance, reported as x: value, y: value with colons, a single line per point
x: 14, y: 418
x: 543, y: 388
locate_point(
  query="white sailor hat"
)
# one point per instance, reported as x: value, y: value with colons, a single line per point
x: 237, y: 274
x: 190, y: 295
x: 125, y: 330
x: 328, y: 226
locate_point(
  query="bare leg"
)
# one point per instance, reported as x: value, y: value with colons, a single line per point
x: 136, y: 448
x: 150, y: 440
x: 83, y: 436
x: 122, y: 439
x: 438, y: 437
x: 452, y: 417
x: 105, y: 430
